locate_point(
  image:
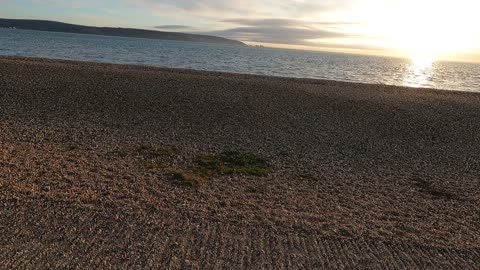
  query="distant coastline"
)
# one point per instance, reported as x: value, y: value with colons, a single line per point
x: 52, y: 26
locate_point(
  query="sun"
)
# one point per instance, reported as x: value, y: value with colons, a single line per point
x: 429, y: 30
x: 422, y: 29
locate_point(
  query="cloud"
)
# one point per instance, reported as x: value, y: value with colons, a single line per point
x: 194, y: 8
x: 265, y: 21
x: 221, y: 9
x: 280, y: 31
x: 56, y: 3
x: 174, y: 27
x: 197, y: 5
x: 285, y: 22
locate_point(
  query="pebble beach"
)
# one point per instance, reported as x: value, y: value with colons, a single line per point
x: 357, y: 176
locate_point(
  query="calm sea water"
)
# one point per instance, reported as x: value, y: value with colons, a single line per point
x: 241, y: 59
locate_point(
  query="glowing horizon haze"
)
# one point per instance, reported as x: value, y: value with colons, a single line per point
x: 418, y: 29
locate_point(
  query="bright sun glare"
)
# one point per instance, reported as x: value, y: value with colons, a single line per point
x: 423, y: 29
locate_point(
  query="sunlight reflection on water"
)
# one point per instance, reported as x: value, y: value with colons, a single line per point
x: 419, y: 73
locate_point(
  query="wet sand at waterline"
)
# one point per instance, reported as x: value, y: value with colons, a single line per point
x: 354, y: 175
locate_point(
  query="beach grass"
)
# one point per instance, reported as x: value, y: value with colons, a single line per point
x: 233, y: 162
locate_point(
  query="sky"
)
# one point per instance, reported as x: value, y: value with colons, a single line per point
x: 418, y: 29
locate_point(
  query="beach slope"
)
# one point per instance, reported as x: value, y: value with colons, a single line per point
x: 128, y: 167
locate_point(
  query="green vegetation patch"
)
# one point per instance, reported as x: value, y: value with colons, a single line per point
x: 152, y: 152
x: 188, y: 179
x: 233, y: 162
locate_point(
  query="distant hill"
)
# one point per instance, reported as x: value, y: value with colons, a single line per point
x: 41, y: 25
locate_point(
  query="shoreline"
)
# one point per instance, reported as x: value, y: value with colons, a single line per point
x: 233, y: 74
x: 89, y: 153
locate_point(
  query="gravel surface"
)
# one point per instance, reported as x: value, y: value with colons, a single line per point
x: 362, y: 176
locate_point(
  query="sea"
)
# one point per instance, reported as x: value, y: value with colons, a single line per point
x: 241, y: 59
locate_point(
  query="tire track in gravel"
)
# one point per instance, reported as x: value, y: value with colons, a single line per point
x: 140, y: 246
